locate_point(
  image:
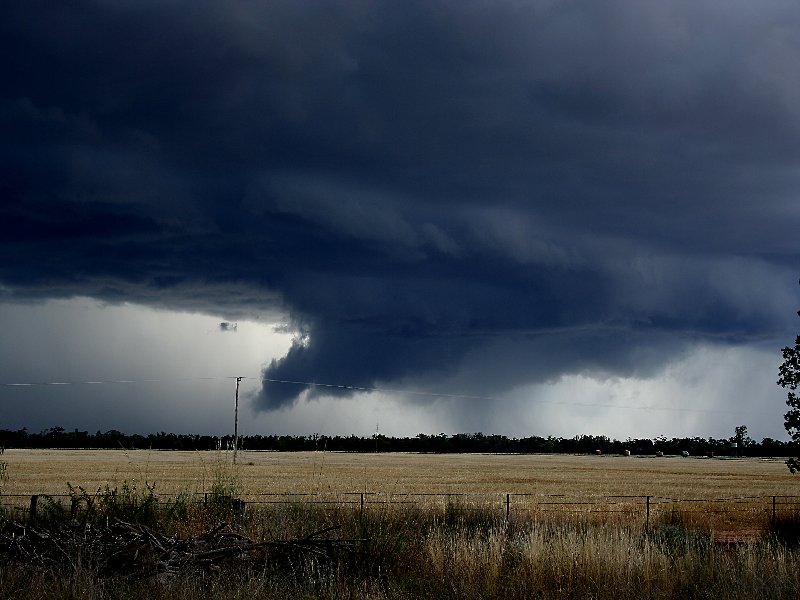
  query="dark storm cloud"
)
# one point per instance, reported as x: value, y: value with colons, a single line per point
x: 527, y: 188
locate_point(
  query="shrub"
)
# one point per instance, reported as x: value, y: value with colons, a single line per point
x: 673, y: 535
x: 127, y: 503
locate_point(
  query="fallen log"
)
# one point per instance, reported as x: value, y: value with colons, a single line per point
x: 128, y: 549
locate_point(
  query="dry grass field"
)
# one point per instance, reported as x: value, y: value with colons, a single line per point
x: 722, y: 492
x: 49, y: 471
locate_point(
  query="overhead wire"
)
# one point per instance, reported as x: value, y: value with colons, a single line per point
x: 356, y: 388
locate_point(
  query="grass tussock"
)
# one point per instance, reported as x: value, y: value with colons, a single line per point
x: 785, y: 528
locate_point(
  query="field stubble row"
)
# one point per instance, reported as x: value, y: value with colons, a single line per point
x: 49, y: 472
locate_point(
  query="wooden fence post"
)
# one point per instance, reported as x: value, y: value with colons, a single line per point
x: 32, y: 511
x: 508, y: 508
x: 239, y: 511
x: 773, y: 509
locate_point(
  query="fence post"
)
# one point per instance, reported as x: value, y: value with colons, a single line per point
x: 773, y: 509
x: 32, y: 512
x: 508, y: 508
x: 361, y: 515
x: 647, y: 519
x: 239, y: 511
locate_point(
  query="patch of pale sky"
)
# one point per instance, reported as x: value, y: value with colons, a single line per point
x: 82, y: 338
x: 706, y: 392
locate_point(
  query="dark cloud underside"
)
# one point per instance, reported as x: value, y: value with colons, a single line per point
x: 596, y: 185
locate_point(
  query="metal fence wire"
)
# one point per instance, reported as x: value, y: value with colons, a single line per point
x: 715, y: 512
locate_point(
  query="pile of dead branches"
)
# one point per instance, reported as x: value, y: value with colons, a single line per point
x: 128, y: 549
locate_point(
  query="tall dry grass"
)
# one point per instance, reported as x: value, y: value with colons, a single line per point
x: 456, y: 549
x: 458, y: 552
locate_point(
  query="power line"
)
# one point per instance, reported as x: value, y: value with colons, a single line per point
x: 444, y: 395
x: 108, y: 381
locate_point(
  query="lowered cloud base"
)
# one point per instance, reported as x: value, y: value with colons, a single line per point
x: 483, y: 198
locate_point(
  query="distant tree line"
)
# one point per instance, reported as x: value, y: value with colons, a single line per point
x: 58, y: 437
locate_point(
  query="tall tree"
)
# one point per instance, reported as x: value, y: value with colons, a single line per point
x: 789, y: 377
x: 741, y: 437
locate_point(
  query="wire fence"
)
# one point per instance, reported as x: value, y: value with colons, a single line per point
x: 713, y: 513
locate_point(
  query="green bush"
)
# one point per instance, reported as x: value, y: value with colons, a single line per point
x: 675, y: 537
x: 127, y: 503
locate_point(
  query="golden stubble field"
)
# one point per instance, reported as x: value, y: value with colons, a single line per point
x: 49, y: 472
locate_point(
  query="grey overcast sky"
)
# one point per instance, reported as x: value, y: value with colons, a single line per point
x: 566, y: 217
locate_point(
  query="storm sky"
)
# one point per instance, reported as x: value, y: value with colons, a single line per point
x: 526, y: 218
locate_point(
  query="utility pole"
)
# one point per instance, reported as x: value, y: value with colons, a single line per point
x: 236, y: 422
